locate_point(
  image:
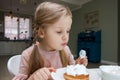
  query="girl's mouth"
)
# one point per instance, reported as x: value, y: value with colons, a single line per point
x: 64, y: 44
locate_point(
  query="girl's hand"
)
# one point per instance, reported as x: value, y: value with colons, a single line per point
x: 42, y: 74
x: 83, y: 61
x: 20, y: 77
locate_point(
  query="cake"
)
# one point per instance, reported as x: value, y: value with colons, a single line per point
x: 76, y: 72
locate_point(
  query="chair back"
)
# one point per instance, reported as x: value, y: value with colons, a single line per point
x: 13, y: 64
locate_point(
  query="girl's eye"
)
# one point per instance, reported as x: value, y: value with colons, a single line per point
x: 59, y: 32
x: 68, y: 31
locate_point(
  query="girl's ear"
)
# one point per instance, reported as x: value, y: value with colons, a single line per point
x: 41, y: 33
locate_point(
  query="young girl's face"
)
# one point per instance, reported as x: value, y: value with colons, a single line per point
x: 56, y: 36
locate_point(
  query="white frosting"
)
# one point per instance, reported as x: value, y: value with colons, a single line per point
x: 76, y: 70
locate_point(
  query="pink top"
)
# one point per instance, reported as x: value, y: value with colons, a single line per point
x: 51, y: 58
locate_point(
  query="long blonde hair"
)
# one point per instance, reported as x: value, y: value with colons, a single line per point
x: 46, y: 13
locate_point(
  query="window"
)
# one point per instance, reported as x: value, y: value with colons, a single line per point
x: 17, y: 28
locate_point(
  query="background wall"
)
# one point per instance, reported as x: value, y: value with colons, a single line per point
x: 1, y: 21
x: 108, y: 24
x: 13, y: 47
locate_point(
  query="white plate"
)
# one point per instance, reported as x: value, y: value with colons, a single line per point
x: 58, y: 75
x: 95, y: 74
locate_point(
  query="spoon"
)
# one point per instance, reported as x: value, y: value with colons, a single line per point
x: 82, y: 53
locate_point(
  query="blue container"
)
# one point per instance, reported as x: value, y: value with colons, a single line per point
x: 91, y: 42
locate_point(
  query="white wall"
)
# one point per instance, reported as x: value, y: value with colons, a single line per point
x: 107, y: 22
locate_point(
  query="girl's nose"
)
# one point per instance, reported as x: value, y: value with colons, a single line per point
x: 65, y: 36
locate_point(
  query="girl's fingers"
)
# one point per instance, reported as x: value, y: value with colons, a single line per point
x: 45, y: 73
x: 51, y: 69
x: 83, y: 61
x: 42, y: 74
x: 37, y: 76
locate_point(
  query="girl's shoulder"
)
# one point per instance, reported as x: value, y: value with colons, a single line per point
x: 28, y: 51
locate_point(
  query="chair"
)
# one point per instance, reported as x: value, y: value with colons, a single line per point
x: 13, y: 64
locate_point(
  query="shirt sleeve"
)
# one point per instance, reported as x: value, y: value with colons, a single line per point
x: 24, y: 63
x: 69, y: 55
x: 23, y: 69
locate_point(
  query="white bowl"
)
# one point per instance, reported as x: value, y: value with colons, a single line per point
x: 110, y: 72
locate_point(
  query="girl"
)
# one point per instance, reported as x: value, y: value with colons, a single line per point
x: 50, y: 51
